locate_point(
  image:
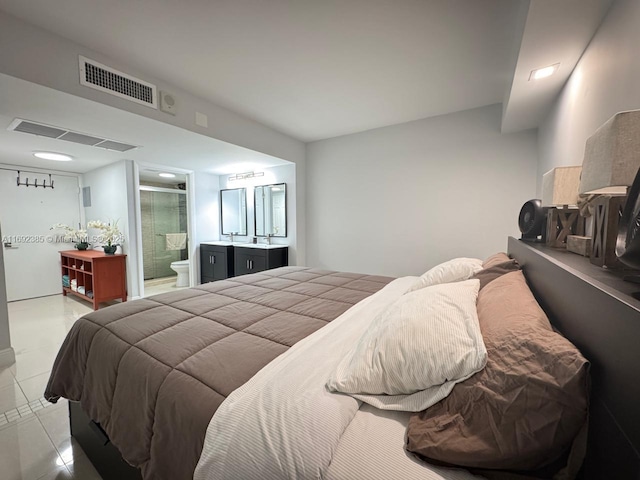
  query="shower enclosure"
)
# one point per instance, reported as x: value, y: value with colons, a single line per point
x: 163, y: 211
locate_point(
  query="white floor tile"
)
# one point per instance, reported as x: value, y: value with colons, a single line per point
x: 82, y: 468
x: 39, y: 446
x: 60, y: 473
x: 11, y: 397
x: 33, y: 388
x: 62, y: 405
x: 26, y: 452
x: 6, y: 377
x: 34, y: 362
x: 56, y: 423
x: 162, y: 288
x: 43, y: 322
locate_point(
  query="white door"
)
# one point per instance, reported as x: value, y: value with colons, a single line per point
x: 31, y: 259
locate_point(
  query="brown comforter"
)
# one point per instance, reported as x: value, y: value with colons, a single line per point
x: 152, y: 372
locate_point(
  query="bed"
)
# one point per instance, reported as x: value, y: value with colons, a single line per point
x: 117, y: 357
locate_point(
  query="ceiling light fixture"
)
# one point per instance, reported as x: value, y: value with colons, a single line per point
x: 56, y: 157
x: 167, y: 175
x: 544, y: 72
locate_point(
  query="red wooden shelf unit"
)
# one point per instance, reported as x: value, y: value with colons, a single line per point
x: 94, y: 276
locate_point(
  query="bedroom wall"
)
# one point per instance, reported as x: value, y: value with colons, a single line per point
x: 7, y: 355
x: 207, y: 220
x: 282, y: 174
x: 400, y: 199
x: 113, y: 198
x: 57, y: 67
x: 605, y: 81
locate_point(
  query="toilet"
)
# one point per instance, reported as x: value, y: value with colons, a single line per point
x: 182, y: 269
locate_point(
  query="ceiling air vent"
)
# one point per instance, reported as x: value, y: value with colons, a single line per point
x: 106, y: 79
x: 42, y: 130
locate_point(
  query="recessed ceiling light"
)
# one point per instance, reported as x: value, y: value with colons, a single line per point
x: 56, y: 157
x: 544, y: 72
x: 166, y: 175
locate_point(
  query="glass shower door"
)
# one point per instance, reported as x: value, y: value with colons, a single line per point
x: 162, y: 213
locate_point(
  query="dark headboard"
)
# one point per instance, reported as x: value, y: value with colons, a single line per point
x: 595, y: 309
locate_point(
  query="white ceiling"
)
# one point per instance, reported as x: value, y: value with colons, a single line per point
x: 555, y: 32
x: 160, y: 144
x: 321, y: 68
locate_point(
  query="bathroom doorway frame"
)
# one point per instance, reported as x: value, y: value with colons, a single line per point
x: 191, y: 214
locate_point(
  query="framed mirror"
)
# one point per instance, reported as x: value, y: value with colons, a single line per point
x: 270, y: 202
x: 233, y: 211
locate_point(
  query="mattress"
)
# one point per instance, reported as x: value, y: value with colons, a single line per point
x: 154, y: 371
x: 284, y: 423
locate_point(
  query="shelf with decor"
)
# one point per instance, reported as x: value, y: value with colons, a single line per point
x: 93, y: 276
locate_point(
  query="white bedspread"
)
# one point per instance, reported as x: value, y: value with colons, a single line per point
x: 284, y: 424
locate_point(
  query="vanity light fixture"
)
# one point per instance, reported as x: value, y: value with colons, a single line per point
x: 544, y: 72
x: 244, y: 176
x: 56, y: 157
x: 167, y: 175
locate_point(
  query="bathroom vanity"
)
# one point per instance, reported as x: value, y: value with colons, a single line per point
x: 216, y: 261
x: 254, y: 258
x: 220, y: 260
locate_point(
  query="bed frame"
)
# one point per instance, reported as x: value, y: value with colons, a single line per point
x: 590, y: 305
x: 595, y: 309
x: 104, y: 456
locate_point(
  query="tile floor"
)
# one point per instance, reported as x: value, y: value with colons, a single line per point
x: 160, y: 285
x: 35, y: 442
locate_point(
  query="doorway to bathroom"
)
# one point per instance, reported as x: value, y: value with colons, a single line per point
x: 164, y: 227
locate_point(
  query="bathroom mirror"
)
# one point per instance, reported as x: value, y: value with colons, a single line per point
x: 270, y: 202
x: 233, y: 209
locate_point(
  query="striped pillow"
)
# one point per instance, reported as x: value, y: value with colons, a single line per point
x: 419, y: 346
x: 454, y: 270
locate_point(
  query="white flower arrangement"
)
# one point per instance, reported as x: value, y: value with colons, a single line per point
x: 111, y: 234
x: 75, y: 235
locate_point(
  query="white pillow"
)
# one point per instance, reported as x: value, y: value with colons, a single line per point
x: 454, y: 270
x: 422, y: 344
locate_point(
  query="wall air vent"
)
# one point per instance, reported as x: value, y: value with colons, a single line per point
x: 42, y: 130
x: 106, y: 79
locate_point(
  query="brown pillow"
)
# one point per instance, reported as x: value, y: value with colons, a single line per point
x: 523, y: 411
x: 495, y: 260
x: 487, y: 275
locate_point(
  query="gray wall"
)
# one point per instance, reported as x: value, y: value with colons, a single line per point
x: 282, y: 174
x: 605, y: 81
x: 7, y: 355
x: 113, y: 198
x: 400, y: 199
x: 38, y: 56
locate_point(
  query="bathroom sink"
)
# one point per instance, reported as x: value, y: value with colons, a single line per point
x: 224, y: 243
x: 263, y: 246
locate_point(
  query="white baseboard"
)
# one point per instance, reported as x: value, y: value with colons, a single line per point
x: 7, y: 357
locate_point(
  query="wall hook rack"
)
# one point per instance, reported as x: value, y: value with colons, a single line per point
x: 35, y: 182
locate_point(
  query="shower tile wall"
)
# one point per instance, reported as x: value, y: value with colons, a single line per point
x: 161, y: 213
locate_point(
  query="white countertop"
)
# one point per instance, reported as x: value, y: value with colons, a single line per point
x: 262, y: 246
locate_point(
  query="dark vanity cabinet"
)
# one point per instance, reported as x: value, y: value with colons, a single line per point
x: 216, y: 262
x: 252, y: 260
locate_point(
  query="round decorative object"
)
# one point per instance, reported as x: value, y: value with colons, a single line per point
x: 628, y: 241
x: 110, y: 249
x: 82, y: 245
x: 532, y: 219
